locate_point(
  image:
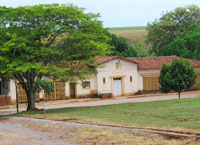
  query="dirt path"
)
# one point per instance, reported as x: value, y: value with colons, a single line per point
x: 30, y: 131
x: 15, y: 133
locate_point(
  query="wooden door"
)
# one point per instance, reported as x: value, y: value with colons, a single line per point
x: 150, y: 84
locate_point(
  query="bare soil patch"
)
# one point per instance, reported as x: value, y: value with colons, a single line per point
x: 91, y: 135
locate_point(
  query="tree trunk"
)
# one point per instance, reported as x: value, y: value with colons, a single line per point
x: 27, y: 80
x: 31, y: 101
x: 179, y: 95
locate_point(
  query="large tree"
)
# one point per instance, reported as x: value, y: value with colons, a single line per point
x: 171, y: 27
x: 178, y: 76
x: 47, y: 40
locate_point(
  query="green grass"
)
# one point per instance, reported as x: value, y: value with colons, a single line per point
x: 184, y: 113
x: 128, y: 28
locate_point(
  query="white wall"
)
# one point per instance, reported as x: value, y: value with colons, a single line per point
x: 12, y: 90
x: 125, y: 70
x: 140, y: 82
x: 67, y: 89
x: 150, y: 71
x: 86, y: 91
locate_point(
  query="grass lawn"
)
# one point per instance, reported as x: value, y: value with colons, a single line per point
x: 184, y: 114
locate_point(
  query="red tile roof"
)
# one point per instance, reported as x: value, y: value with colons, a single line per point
x: 104, y: 59
x: 149, y: 62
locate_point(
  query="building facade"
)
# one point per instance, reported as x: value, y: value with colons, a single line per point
x: 117, y: 76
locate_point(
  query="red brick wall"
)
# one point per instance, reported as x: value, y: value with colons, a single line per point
x: 5, y: 100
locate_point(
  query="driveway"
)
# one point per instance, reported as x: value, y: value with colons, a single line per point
x: 99, y: 102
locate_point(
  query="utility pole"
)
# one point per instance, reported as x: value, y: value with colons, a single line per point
x: 17, y: 104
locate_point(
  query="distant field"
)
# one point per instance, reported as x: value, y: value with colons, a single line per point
x: 137, y: 33
x: 128, y: 28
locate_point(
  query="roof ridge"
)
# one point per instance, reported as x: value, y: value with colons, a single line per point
x: 154, y: 56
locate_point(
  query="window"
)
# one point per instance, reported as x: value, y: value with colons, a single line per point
x: 104, y: 80
x: 131, y: 78
x: 117, y: 65
x: 86, y: 84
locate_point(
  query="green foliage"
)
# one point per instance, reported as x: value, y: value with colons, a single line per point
x: 169, y: 34
x: 179, y: 76
x: 36, y: 41
x: 141, y: 51
x: 198, y: 84
x: 120, y: 46
x: 187, y: 46
x: 45, y: 85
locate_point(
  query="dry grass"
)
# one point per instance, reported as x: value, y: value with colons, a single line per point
x: 106, y: 136
x: 133, y: 35
x: 89, y: 135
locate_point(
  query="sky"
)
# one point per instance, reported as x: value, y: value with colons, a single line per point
x: 116, y: 13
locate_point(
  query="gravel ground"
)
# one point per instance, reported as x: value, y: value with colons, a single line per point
x: 79, y: 125
x: 13, y: 133
x: 30, y: 131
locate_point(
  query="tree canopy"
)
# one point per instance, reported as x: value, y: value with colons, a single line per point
x: 178, y: 76
x: 169, y: 34
x: 120, y: 46
x: 36, y: 41
x: 187, y: 46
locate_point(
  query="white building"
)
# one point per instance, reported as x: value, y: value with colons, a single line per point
x: 116, y: 75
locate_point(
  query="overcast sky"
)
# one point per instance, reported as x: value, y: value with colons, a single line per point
x: 116, y: 13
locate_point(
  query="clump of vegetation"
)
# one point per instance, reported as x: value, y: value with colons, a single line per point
x: 121, y: 47
x: 176, y: 33
x: 178, y: 76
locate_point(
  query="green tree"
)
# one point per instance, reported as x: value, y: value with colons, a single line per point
x: 45, y: 85
x: 141, y: 51
x: 187, y: 46
x: 171, y: 28
x: 178, y: 76
x: 120, y: 46
x: 46, y: 41
x: 198, y: 84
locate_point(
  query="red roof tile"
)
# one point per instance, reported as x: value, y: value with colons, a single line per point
x: 149, y: 62
x: 103, y: 59
x: 157, y: 62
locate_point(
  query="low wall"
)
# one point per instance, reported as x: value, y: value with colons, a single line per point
x: 5, y: 100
